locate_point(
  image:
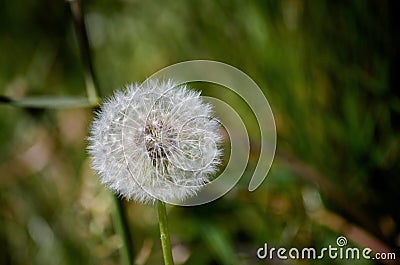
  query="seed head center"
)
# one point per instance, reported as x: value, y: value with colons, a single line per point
x: 159, y: 138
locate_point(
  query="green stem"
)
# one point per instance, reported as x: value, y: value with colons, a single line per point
x: 93, y: 93
x: 164, y: 234
x: 92, y: 88
x: 121, y: 227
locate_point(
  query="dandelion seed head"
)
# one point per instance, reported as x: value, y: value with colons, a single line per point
x: 155, y: 141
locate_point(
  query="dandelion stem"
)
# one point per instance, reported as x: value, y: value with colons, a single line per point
x: 122, y: 229
x: 164, y: 234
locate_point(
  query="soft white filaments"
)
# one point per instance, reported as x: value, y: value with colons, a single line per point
x: 154, y: 141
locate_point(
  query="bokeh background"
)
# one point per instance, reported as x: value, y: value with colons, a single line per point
x: 330, y: 70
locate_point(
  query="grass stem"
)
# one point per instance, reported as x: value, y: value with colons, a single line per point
x: 121, y: 228
x: 92, y: 88
x: 94, y: 93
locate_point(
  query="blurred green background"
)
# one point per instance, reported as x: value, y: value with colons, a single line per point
x: 330, y: 71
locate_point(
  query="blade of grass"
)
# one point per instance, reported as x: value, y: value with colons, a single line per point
x: 94, y: 94
x: 92, y: 87
x: 219, y: 244
x: 47, y: 102
x: 121, y: 227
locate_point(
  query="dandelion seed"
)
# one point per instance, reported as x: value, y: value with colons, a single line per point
x: 155, y: 141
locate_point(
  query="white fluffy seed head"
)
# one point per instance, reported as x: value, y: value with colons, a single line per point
x: 155, y: 141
